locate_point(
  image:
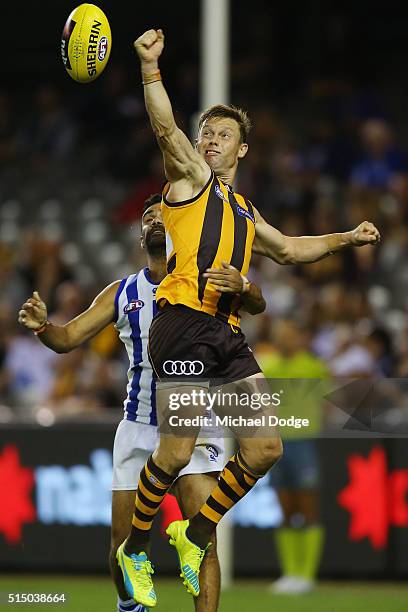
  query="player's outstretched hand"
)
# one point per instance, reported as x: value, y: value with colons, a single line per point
x: 33, y: 313
x: 149, y: 46
x: 365, y: 233
x: 226, y: 279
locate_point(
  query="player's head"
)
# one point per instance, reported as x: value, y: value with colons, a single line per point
x: 222, y: 137
x: 153, y: 237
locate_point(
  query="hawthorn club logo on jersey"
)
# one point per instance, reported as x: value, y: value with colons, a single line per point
x: 133, y: 306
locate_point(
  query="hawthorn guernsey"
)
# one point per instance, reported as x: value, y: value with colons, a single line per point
x: 86, y: 43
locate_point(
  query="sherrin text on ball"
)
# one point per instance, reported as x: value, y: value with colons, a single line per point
x: 86, y: 43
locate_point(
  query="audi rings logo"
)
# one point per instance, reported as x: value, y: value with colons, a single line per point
x: 183, y: 368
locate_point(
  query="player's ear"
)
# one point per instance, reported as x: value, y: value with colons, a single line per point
x: 195, y: 143
x: 243, y: 150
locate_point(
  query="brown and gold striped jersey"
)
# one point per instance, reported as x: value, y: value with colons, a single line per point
x: 216, y: 226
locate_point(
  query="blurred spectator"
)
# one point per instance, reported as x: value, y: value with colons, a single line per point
x: 50, y: 131
x: 13, y: 287
x: 30, y: 369
x: 69, y: 302
x: 351, y: 358
x: 296, y: 477
x: 41, y: 266
x: 379, y: 344
x: 381, y: 159
x: 84, y: 383
x: 131, y: 209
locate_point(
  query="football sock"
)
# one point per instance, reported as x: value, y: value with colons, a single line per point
x: 312, y: 539
x: 129, y: 606
x: 300, y: 550
x: 152, y: 487
x: 236, y: 480
x: 287, y: 540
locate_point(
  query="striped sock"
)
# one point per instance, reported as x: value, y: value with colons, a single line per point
x: 235, y: 482
x: 152, y: 487
x: 129, y: 605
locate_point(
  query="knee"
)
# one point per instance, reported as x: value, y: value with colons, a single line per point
x: 271, y: 452
x: 175, y: 458
x: 275, y: 451
x: 264, y: 455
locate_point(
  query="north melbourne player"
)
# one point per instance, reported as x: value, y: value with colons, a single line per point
x: 131, y: 305
x: 208, y: 225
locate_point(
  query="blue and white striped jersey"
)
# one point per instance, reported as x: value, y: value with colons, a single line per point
x: 135, y: 307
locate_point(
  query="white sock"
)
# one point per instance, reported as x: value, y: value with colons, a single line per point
x: 129, y: 606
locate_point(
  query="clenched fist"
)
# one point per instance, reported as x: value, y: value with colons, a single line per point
x: 149, y: 47
x: 365, y: 233
x: 33, y: 313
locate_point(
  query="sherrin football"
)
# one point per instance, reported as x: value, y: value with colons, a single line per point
x: 86, y: 43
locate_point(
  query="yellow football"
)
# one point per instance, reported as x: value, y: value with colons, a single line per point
x: 86, y: 43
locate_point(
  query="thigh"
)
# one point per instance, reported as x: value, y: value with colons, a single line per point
x: 248, y: 407
x: 181, y: 408
x: 134, y: 443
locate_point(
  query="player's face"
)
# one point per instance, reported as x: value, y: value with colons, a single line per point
x: 219, y: 142
x: 153, y: 234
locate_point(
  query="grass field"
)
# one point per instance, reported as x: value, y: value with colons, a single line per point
x: 90, y: 594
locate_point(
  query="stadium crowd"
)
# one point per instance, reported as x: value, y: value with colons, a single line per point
x: 74, y: 174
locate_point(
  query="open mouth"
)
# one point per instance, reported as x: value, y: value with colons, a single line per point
x: 211, y: 152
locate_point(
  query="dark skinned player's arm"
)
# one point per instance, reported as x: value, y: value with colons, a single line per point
x: 64, y: 338
x: 307, y: 249
x: 252, y: 300
x: 229, y: 280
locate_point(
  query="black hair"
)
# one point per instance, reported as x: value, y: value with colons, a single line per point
x: 156, y: 198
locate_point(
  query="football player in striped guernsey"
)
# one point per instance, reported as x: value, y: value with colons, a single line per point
x: 208, y: 225
x: 130, y: 303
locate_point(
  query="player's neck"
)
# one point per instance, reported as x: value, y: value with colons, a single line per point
x: 227, y: 177
x: 157, y: 267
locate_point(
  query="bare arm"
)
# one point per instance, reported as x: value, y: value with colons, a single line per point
x: 182, y: 163
x: 229, y: 280
x: 64, y: 338
x: 306, y: 249
x: 252, y: 300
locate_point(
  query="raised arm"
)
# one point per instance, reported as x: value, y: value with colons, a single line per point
x: 184, y: 167
x: 64, y: 338
x: 306, y: 249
